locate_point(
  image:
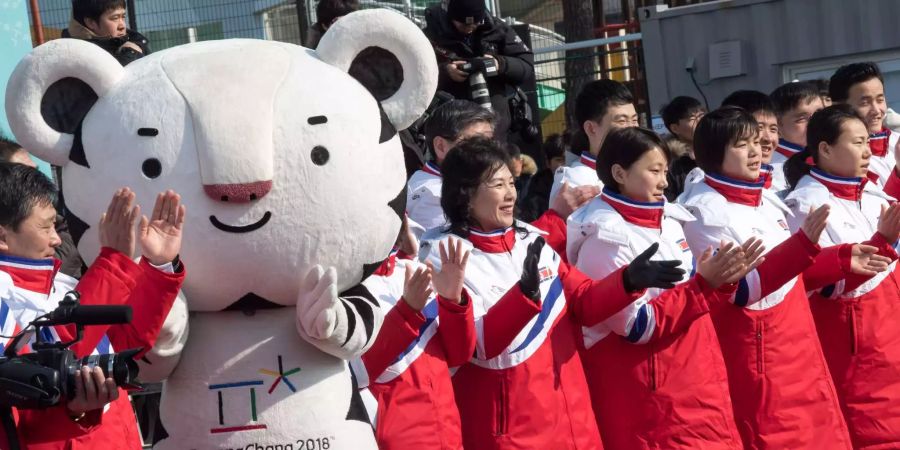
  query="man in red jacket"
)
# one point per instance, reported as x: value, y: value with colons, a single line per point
x: 97, y: 416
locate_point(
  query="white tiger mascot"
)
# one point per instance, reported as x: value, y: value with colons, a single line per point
x: 294, y: 179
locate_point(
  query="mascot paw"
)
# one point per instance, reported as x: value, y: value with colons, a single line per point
x: 318, y: 303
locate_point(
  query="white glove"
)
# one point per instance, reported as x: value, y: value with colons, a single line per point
x: 318, y: 304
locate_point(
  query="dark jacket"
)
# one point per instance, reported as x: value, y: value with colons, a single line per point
x: 112, y: 45
x: 314, y: 35
x: 534, y: 202
x: 67, y: 251
x: 494, y: 37
x: 678, y: 171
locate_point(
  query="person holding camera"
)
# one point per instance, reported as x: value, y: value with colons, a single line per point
x: 481, y: 58
x: 97, y: 415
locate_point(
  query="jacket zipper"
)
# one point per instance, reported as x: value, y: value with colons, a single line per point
x: 502, y: 409
x: 854, y: 340
x: 652, y: 368
x: 760, y: 361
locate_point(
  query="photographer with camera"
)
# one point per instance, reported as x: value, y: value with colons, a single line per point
x: 481, y: 58
x: 97, y: 415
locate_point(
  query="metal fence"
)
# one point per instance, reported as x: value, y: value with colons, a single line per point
x: 167, y: 23
x: 617, y: 57
x: 615, y: 53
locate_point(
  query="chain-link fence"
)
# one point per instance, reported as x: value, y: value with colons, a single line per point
x: 167, y: 23
x: 614, y: 31
x: 616, y: 57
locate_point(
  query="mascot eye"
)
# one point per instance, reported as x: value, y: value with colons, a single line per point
x: 319, y: 155
x: 152, y: 168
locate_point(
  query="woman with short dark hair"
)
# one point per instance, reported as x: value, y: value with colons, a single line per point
x: 524, y: 387
x: 655, y: 369
x: 782, y: 392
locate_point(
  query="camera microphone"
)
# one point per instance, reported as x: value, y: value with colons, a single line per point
x: 70, y: 311
x: 92, y: 315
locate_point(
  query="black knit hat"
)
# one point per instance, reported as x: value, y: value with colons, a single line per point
x: 469, y: 12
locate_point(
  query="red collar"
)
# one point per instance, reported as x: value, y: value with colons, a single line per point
x: 736, y: 191
x: 431, y: 168
x: 765, y: 175
x: 589, y: 160
x: 878, y: 142
x: 34, y: 275
x: 788, y: 149
x: 642, y: 214
x: 386, y: 268
x: 840, y: 187
x: 497, y: 241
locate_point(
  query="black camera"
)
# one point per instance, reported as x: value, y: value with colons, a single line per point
x: 46, y: 377
x: 522, y: 117
x: 484, y: 65
x: 478, y: 69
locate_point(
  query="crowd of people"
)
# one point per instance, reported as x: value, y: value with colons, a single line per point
x: 731, y: 285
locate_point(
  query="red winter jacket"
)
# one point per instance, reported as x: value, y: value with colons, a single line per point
x: 862, y: 346
x: 525, y: 387
x: 781, y: 389
x: 892, y: 186
x: 776, y: 367
x: 655, y: 369
x: 408, y: 366
x: 112, y: 279
x: 856, y: 316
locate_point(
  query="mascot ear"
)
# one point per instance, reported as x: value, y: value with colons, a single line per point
x: 388, y: 30
x: 80, y: 72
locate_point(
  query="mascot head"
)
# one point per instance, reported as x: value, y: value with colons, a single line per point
x: 283, y: 159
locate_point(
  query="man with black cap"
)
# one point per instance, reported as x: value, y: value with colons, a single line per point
x: 462, y: 31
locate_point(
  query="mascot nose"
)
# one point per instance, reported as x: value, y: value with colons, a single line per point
x: 238, y: 193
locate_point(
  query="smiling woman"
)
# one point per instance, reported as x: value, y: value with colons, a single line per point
x: 528, y: 305
x: 481, y: 190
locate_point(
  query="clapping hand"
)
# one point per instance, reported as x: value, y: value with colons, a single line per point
x: 889, y: 222
x: 643, y: 273
x: 530, y: 282
x: 568, y: 199
x: 117, y: 223
x: 449, y: 281
x: 731, y: 262
x: 417, y: 287
x: 865, y: 260
x: 815, y: 223
x: 161, y: 233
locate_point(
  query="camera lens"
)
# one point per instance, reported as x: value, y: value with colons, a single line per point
x: 479, y: 89
x: 121, y: 367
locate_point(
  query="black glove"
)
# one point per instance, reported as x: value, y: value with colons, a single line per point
x: 530, y: 283
x: 643, y: 273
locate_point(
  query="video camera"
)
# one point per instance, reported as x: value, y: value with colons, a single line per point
x: 46, y: 377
